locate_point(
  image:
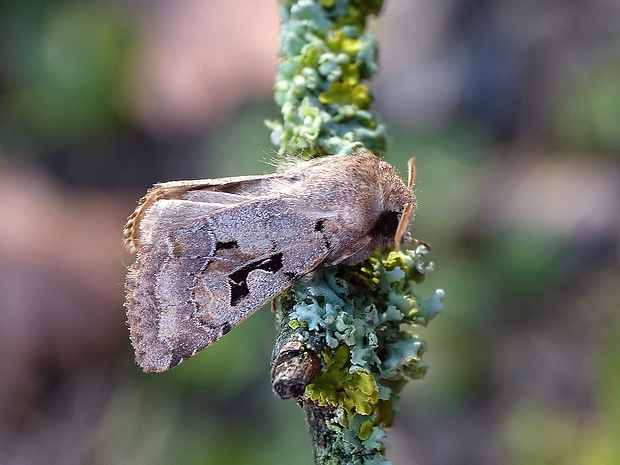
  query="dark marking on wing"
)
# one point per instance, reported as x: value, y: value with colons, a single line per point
x: 226, y: 245
x: 238, y: 285
x: 178, y: 354
x: 319, y: 226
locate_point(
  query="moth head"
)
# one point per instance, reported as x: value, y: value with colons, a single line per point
x: 393, y: 224
x: 387, y: 216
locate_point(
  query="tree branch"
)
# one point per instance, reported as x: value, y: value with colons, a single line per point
x: 345, y: 347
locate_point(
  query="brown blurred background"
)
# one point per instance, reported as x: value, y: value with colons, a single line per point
x: 513, y: 112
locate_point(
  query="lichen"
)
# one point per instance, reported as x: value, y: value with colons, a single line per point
x: 337, y: 385
x: 365, y: 316
x: 326, y: 54
x: 358, y: 319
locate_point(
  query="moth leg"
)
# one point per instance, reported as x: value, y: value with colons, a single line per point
x: 131, y: 232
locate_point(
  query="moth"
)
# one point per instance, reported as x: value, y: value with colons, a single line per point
x: 213, y: 251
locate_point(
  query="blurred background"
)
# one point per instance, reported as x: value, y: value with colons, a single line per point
x: 513, y: 112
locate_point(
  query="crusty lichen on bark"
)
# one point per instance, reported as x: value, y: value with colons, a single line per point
x: 346, y: 344
x: 325, y: 55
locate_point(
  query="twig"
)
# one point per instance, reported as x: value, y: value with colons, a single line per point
x: 345, y: 346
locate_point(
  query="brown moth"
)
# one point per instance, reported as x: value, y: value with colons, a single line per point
x: 213, y: 251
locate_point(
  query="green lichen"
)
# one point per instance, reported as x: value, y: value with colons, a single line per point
x: 361, y: 319
x: 337, y: 385
x: 325, y: 56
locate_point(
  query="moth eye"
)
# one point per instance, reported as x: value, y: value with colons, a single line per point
x: 386, y: 225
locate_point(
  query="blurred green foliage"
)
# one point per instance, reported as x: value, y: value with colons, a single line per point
x: 587, y: 112
x: 63, y: 72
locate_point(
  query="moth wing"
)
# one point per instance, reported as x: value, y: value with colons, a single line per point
x: 197, y: 278
x: 215, y: 192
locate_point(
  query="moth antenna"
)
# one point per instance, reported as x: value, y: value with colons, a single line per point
x: 402, y: 225
x: 411, y: 170
x: 407, y: 208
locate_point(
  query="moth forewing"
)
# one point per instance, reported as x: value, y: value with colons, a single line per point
x: 207, y: 274
x: 215, y: 250
x: 224, y: 191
